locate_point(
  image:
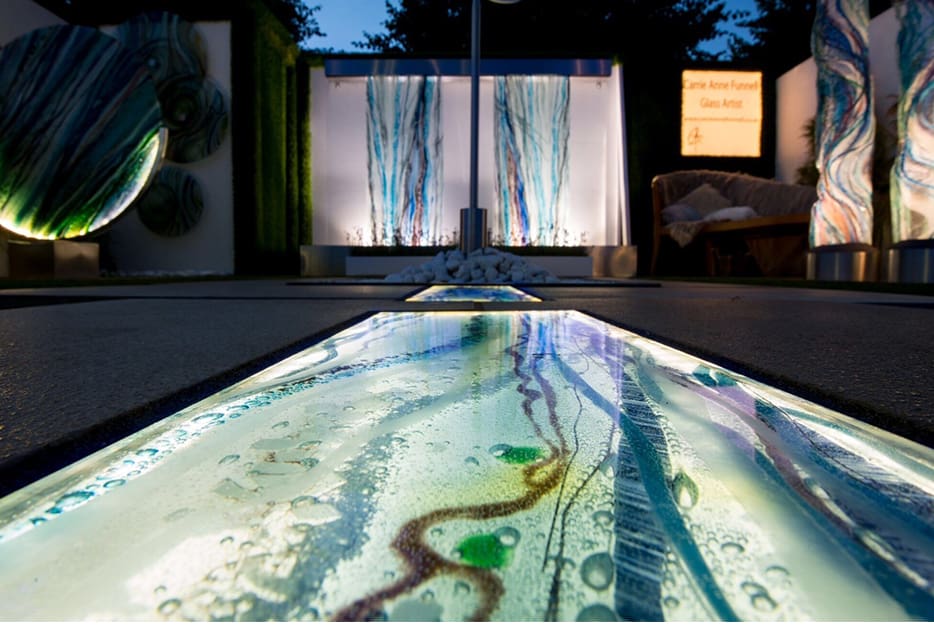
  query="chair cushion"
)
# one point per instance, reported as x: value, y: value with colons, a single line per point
x: 705, y: 199
x: 679, y: 212
x: 732, y: 213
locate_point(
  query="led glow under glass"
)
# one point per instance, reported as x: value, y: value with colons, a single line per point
x: 472, y: 293
x: 521, y: 465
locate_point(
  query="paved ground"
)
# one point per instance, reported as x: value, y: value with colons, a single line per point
x: 84, y: 366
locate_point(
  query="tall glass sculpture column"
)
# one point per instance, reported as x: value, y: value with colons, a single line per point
x: 531, y: 134
x: 841, y: 219
x: 404, y: 160
x: 912, y: 190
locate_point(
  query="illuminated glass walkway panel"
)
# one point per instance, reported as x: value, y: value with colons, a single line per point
x: 472, y: 293
x: 496, y: 465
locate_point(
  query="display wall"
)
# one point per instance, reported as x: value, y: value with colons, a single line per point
x: 128, y: 245
x: 207, y: 245
x: 343, y: 199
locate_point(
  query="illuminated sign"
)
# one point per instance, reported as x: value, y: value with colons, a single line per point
x: 721, y: 113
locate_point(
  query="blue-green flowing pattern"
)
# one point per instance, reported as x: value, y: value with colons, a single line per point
x: 912, y: 179
x: 531, y: 131
x: 404, y: 162
x: 483, y: 465
x: 80, y: 132
x: 173, y: 203
x: 845, y: 125
x: 194, y: 107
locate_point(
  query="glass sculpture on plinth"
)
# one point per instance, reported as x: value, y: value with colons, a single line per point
x: 841, y: 219
x: 911, y: 258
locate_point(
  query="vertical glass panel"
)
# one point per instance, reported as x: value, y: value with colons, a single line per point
x: 845, y: 125
x: 531, y: 131
x: 913, y: 170
x: 404, y: 160
x: 513, y: 466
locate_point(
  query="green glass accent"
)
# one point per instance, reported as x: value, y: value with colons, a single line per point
x: 485, y: 551
x: 521, y: 455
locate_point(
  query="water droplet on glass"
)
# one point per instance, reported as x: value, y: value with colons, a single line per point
x: 72, y: 499
x: 349, y: 408
x: 230, y: 458
x: 763, y: 602
x: 117, y: 482
x: 428, y: 595
x: 227, y: 540
x: 302, y: 501
x: 389, y: 575
x: 603, y: 518
x: 280, y: 425
x: 758, y: 596
x: 597, y: 570
x: 147, y: 452
x: 684, y: 490
x: 597, y: 613
x: 170, y: 606
x: 732, y: 548
x: 461, y: 588
x: 776, y: 572
x: 508, y: 536
x: 472, y: 460
x: 671, y: 602
x: 437, y: 531
x: 208, y: 416
x: 159, y: 589
x: 499, y: 449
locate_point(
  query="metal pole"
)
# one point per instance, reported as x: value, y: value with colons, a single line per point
x: 473, y: 220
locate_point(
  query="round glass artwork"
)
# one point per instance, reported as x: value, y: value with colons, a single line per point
x: 196, y: 114
x: 194, y: 107
x: 81, y: 131
x: 172, y: 204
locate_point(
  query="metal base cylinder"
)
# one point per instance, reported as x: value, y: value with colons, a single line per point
x: 848, y: 262
x: 476, y: 238
x: 911, y: 262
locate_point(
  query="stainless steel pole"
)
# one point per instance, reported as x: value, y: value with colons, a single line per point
x: 473, y: 219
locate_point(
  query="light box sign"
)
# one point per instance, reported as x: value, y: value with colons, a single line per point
x: 721, y: 113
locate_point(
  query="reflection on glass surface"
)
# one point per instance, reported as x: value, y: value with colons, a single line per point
x: 472, y: 293
x: 497, y: 465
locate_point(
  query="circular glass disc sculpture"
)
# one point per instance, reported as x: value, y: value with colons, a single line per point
x: 194, y: 107
x: 81, y: 131
x: 196, y: 114
x: 172, y: 204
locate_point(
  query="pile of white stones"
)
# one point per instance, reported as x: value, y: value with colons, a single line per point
x: 486, y: 266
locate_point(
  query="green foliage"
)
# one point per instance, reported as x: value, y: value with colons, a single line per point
x: 783, y: 25
x: 780, y: 25
x: 808, y: 173
x: 298, y: 17
x: 271, y: 144
x: 628, y: 31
